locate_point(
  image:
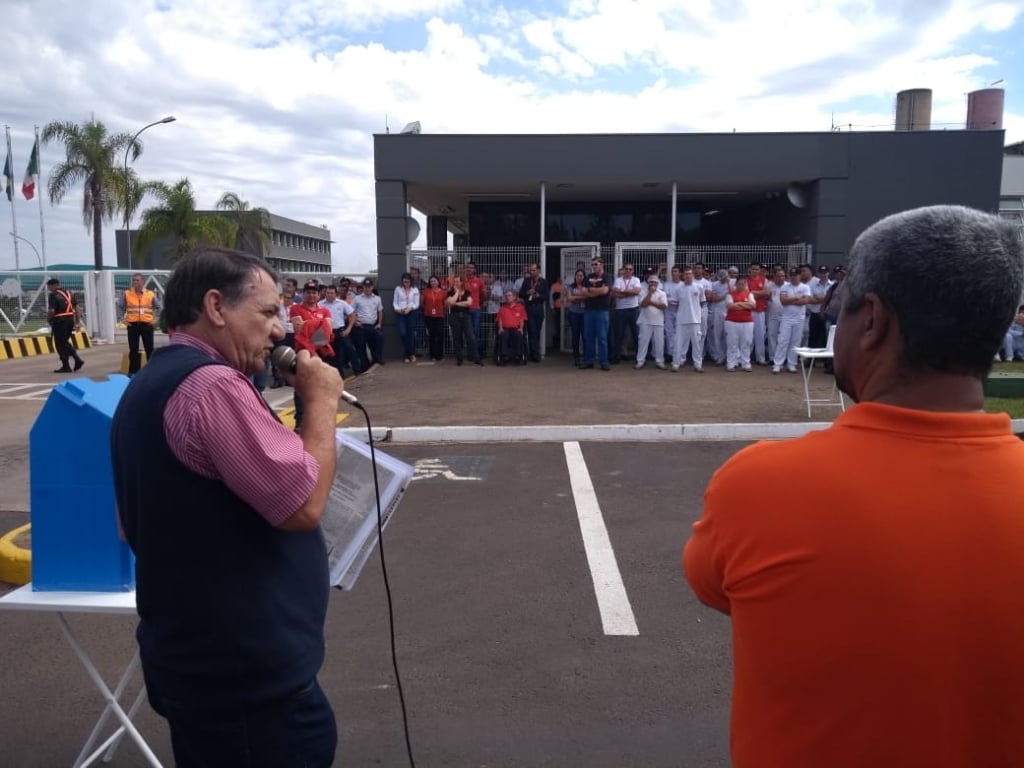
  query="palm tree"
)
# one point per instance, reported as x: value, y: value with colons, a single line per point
x: 92, y: 159
x: 252, y: 225
x: 176, y: 218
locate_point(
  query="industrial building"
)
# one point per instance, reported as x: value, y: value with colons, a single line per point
x: 295, y: 247
x: 658, y: 199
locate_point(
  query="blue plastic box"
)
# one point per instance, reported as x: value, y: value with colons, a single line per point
x: 75, y: 540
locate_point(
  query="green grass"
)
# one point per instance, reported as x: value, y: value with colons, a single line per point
x: 1012, y: 406
x: 1005, y: 404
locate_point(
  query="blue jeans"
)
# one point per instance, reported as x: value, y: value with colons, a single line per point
x: 595, y: 332
x: 576, y: 332
x: 406, y: 325
x: 295, y: 732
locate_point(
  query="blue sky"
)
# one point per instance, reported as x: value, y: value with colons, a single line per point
x: 277, y: 100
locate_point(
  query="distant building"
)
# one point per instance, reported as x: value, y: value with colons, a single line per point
x: 295, y: 247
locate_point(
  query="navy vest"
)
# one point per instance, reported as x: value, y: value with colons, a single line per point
x: 231, y: 609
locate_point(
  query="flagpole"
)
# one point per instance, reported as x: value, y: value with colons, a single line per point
x: 14, y: 218
x: 39, y: 185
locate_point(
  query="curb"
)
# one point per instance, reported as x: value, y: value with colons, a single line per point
x: 603, y: 432
x: 15, y: 562
x: 15, y: 347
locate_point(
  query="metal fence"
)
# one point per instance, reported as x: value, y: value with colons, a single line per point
x: 24, y: 299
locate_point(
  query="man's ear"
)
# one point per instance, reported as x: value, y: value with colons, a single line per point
x: 213, y: 307
x: 875, y: 323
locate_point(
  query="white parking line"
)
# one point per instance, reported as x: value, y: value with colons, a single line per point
x: 36, y: 394
x: 612, y: 600
x: 18, y: 391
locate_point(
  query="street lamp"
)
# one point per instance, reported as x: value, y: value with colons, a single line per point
x: 31, y: 245
x: 127, y: 185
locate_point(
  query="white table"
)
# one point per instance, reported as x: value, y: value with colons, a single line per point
x: 60, y: 603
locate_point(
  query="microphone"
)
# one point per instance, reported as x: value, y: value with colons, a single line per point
x: 285, y: 359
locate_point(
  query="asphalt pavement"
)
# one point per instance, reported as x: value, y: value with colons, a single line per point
x: 502, y: 601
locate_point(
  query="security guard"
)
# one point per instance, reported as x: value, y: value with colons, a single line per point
x: 65, y: 318
x: 138, y: 308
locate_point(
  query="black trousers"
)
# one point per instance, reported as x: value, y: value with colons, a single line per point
x: 817, y: 332
x: 462, y: 332
x: 435, y: 336
x: 62, y: 328
x: 137, y: 332
x: 534, y: 324
x: 510, y: 345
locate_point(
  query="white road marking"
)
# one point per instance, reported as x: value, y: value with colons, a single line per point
x: 612, y: 600
x: 36, y: 394
x: 36, y: 391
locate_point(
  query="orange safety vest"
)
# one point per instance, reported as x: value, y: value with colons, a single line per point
x: 69, y: 310
x: 138, y: 309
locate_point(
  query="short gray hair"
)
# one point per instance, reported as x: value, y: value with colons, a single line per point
x: 952, y: 275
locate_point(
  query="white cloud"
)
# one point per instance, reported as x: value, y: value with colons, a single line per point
x: 278, y: 100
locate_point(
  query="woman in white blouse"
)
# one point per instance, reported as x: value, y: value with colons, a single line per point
x: 407, y: 301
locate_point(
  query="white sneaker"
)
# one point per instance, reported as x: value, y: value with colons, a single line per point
x: 675, y: 367
x: 776, y: 369
x: 747, y: 369
x: 698, y: 368
x: 792, y: 370
x: 640, y: 365
x: 660, y: 365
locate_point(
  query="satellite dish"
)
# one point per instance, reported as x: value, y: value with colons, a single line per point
x: 412, y: 230
x: 796, y: 196
x: 412, y: 128
x: 10, y: 288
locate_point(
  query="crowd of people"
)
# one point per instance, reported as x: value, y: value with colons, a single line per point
x: 671, y: 317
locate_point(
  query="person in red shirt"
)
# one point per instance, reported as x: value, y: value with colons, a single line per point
x: 433, y: 306
x: 477, y: 292
x: 758, y: 286
x: 739, y: 326
x: 313, y: 333
x: 511, y: 321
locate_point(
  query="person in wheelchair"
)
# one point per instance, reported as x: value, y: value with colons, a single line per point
x: 511, y: 321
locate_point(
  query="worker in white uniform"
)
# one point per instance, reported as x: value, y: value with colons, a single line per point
x: 794, y: 297
x: 651, y: 323
x: 717, y: 305
x: 671, y: 289
x: 688, y: 324
x: 774, y: 313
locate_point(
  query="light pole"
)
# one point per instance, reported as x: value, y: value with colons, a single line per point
x: 127, y: 185
x: 21, y: 306
x: 30, y: 245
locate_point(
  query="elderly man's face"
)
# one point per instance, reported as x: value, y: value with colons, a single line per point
x: 250, y: 327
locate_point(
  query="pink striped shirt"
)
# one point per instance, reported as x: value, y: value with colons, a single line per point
x: 218, y: 426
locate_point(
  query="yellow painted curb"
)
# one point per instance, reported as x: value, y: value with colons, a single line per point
x: 125, y: 365
x: 15, y: 562
x: 35, y: 344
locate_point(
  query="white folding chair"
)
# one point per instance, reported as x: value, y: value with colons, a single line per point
x: 807, y: 357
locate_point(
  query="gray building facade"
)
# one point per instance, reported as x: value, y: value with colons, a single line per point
x: 730, y: 187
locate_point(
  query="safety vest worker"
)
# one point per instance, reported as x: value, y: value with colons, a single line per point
x: 139, y: 308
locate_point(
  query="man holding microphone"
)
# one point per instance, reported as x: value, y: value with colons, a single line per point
x: 232, y: 636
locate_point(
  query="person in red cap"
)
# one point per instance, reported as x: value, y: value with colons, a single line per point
x: 313, y: 333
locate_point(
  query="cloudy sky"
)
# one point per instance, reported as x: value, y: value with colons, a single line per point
x: 278, y: 100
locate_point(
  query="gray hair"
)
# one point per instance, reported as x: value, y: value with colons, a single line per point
x: 952, y: 275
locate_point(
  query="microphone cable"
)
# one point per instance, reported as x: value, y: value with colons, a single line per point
x: 387, y: 586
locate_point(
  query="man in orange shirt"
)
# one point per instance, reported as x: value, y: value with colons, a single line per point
x: 880, y: 624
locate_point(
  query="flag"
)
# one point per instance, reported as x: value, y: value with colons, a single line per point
x: 9, y: 177
x: 28, y: 186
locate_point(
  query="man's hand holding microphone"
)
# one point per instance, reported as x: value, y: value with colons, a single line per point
x: 311, y: 377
